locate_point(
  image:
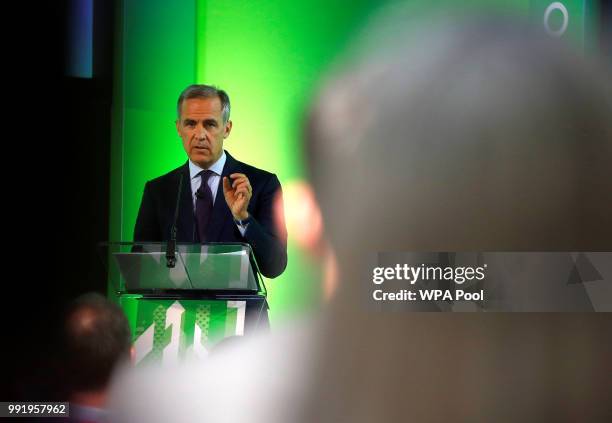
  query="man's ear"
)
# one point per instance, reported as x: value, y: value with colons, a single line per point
x: 133, y: 355
x: 227, y: 129
x: 178, y: 126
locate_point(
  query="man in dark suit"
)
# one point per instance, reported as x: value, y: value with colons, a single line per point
x: 222, y: 199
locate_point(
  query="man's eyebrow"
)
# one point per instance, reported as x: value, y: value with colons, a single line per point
x: 188, y: 120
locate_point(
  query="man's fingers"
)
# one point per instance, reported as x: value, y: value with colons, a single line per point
x: 244, y: 184
x: 238, y: 178
x: 239, y: 184
x: 239, y: 181
x: 229, y: 185
x: 241, y: 190
x: 226, y: 184
x: 236, y: 183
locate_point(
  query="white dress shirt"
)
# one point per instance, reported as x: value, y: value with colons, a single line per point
x: 214, y: 181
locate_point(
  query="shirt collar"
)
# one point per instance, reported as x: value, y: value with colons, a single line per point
x: 216, y: 168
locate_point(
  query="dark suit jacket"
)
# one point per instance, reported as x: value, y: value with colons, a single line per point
x: 266, y: 233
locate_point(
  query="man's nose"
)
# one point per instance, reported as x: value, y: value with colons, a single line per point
x: 201, y: 133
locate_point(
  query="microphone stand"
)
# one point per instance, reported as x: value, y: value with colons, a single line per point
x: 171, y: 246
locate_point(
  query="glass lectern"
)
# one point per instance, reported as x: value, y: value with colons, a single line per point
x: 181, y: 305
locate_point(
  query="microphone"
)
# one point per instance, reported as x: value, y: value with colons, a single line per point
x: 171, y: 246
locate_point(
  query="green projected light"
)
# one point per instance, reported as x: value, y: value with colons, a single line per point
x: 269, y: 56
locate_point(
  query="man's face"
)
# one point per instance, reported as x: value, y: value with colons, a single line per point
x: 202, y: 130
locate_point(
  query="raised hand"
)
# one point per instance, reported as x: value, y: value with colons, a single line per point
x: 237, y: 191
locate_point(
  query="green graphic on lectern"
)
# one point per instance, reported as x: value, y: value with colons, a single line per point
x: 168, y: 331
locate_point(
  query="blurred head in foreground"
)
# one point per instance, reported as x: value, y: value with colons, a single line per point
x: 96, y: 338
x: 487, y: 137
x: 478, y: 137
x: 457, y: 137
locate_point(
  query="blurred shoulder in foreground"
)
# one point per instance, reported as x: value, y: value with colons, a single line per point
x: 455, y: 137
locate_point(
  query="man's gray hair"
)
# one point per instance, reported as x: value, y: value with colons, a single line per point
x: 205, y: 91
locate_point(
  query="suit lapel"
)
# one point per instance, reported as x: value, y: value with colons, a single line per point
x: 186, y: 220
x: 221, y: 214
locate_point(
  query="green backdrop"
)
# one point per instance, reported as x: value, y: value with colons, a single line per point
x: 268, y: 55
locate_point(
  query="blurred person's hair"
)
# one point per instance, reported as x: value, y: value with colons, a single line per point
x: 461, y: 136
x: 455, y: 137
x: 487, y: 136
x: 96, y: 338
